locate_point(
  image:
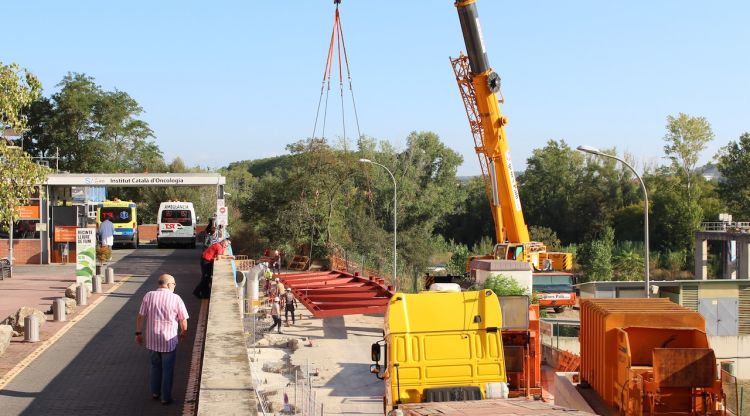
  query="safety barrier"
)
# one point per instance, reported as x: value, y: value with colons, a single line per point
x: 225, y: 386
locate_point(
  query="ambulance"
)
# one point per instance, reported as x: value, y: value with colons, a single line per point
x: 176, y: 222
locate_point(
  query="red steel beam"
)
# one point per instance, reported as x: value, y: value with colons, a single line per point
x: 337, y: 293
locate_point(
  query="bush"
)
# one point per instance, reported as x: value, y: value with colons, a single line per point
x: 504, y: 285
x: 103, y: 254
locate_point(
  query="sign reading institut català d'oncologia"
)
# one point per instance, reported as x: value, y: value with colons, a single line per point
x: 85, y: 255
x: 136, y: 179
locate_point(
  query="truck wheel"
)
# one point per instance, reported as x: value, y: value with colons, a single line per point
x: 559, y: 309
x: 192, y: 245
x: 159, y: 244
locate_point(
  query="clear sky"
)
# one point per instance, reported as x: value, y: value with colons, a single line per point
x: 230, y: 80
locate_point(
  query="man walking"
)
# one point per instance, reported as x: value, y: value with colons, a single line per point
x: 203, y: 290
x: 107, y: 233
x: 276, y: 315
x: 163, y: 312
x: 290, y: 304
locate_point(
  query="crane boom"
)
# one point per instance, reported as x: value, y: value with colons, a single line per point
x: 479, y: 86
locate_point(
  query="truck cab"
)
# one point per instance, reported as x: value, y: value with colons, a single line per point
x: 441, y: 346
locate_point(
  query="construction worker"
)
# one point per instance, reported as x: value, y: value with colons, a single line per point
x: 290, y: 304
x: 276, y: 315
x: 279, y: 287
x: 268, y: 274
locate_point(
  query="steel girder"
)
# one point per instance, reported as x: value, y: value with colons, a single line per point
x: 337, y: 293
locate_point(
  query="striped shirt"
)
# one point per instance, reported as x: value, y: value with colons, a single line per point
x: 163, y: 311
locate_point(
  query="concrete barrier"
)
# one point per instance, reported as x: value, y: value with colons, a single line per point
x: 58, y: 309
x: 226, y: 383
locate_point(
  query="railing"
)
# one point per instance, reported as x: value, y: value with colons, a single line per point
x: 298, y: 393
x: 723, y: 226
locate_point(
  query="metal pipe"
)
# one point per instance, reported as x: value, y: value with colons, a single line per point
x: 473, y: 39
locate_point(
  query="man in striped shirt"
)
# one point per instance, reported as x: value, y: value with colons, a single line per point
x: 163, y: 312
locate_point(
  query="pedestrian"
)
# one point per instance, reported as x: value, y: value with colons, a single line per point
x: 290, y: 304
x: 276, y: 315
x: 279, y: 287
x: 107, y: 233
x: 164, y: 313
x: 203, y: 290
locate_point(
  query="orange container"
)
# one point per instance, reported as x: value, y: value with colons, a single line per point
x: 600, y: 321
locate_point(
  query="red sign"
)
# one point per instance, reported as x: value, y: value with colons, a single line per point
x: 65, y: 233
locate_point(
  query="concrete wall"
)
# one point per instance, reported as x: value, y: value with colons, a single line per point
x: 733, y: 348
x: 226, y: 383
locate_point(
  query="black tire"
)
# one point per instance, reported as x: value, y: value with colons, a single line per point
x: 559, y: 309
x: 192, y: 245
x: 159, y: 244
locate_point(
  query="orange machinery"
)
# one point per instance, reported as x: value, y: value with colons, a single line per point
x: 648, y: 356
x: 522, y: 350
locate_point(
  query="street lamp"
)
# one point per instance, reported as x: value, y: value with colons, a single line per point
x: 597, y: 152
x: 395, y: 279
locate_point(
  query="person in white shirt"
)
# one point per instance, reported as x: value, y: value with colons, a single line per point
x: 107, y: 233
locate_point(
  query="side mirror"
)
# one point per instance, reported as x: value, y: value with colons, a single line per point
x: 375, y: 353
x: 375, y: 369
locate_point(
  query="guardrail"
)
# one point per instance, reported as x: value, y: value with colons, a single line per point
x: 723, y: 226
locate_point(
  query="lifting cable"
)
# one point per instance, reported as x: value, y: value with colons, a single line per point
x: 336, y: 45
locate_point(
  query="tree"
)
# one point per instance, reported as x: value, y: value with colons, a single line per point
x: 19, y: 175
x: 734, y: 165
x: 595, y: 257
x: 20, y: 178
x: 686, y: 138
x: 18, y: 89
x: 95, y: 130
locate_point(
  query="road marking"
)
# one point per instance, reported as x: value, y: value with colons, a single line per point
x: 190, y: 406
x: 10, y: 375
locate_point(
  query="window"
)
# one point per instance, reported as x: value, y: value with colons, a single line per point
x: 553, y: 283
x: 118, y: 215
x: 181, y: 216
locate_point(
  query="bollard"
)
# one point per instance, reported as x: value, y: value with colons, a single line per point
x: 96, y: 284
x: 58, y: 309
x: 110, y: 276
x: 81, y: 294
x: 31, y: 328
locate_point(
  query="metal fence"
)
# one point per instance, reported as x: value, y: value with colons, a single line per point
x: 734, y: 391
x: 723, y: 226
x: 299, y: 395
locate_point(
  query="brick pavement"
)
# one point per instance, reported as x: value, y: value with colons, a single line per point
x: 96, y: 368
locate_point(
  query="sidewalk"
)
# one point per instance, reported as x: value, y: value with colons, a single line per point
x: 95, y: 367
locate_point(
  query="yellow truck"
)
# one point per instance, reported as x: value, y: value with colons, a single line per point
x: 441, y: 346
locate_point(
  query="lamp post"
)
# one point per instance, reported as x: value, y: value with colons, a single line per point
x: 596, y: 152
x: 395, y: 279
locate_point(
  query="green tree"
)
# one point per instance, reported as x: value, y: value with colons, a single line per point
x: 545, y: 235
x: 686, y: 138
x: 18, y: 89
x: 95, y: 130
x: 471, y: 219
x: 20, y: 178
x: 734, y: 165
x: 674, y: 217
x: 595, y: 257
x: 459, y: 257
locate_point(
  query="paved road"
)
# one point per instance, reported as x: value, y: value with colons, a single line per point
x: 96, y: 368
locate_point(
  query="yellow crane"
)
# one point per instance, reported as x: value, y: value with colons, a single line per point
x: 479, y: 86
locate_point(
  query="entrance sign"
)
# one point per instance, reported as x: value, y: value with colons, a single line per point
x: 135, y: 179
x: 85, y: 255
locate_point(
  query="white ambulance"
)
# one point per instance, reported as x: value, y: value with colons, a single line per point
x: 176, y: 223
